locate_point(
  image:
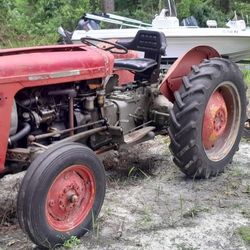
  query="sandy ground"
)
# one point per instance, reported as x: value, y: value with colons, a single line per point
x: 156, y: 207
x: 150, y: 204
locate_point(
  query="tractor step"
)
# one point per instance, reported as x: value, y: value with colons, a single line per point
x: 137, y: 135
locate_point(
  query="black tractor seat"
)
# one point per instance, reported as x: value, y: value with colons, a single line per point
x: 135, y: 64
x: 153, y: 44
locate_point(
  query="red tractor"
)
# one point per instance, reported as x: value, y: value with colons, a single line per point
x: 63, y: 105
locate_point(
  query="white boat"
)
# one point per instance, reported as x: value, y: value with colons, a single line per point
x: 232, y: 42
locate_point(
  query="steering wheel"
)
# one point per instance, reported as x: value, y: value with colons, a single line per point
x: 113, y: 48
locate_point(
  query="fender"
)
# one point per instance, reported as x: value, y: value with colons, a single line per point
x: 182, y: 66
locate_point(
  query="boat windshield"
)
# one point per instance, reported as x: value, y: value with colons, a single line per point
x: 171, y: 7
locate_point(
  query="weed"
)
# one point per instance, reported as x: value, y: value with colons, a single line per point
x: 183, y: 246
x: 147, y: 176
x: 236, y: 172
x: 95, y: 225
x: 235, y: 185
x: 246, y: 74
x: 247, y: 189
x: 131, y: 170
x: 166, y: 140
x: 181, y: 204
x: 135, y: 172
x: 146, y: 216
x: 244, y: 232
x: 193, y: 212
x: 158, y: 192
x: 73, y: 241
x: 246, y: 213
x: 108, y: 211
x: 236, y: 206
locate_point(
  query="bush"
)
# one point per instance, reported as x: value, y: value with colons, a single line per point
x: 37, y: 21
x: 30, y: 22
x: 206, y: 11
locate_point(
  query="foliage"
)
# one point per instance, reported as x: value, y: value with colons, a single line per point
x: 29, y: 22
x: 73, y: 241
x: 205, y: 11
x: 31, y: 19
x: 246, y: 74
x: 244, y: 232
x: 185, y: 7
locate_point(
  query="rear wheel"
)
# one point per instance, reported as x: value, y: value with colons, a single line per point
x: 208, y: 118
x: 61, y: 193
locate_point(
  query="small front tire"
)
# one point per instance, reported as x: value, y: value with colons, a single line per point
x: 60, y: 195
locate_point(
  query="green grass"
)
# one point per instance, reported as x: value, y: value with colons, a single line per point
x: 30, y: 40
x: 195, y: 211
x: 72, y: 242
x: 246, y: 74
x: 244, y: 232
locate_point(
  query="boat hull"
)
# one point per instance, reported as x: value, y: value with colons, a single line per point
x: 230, y: 43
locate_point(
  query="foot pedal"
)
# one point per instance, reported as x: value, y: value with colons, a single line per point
x: 137, y: 135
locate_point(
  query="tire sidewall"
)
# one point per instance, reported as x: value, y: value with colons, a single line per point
x: 36, y: 224
x: 186, y: 118
x: 228, y: 76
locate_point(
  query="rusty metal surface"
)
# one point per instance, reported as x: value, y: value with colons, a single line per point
x: 18, y: 155
x: 182, y: 66
x: 44, y: 66
x: 137, y: 135
x: 38, y: 66
x: 80, y: 136
x: 215, y: 120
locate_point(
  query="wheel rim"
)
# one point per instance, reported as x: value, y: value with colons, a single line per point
x: 221, y: 121
x: 70, y: 198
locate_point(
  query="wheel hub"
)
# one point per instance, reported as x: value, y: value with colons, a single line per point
x: 70, y: 198
x: 214, y: 121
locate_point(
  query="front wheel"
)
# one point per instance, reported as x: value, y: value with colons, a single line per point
x: 61, y: 193
x: 208, y: 118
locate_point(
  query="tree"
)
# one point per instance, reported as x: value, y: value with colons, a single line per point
x: 223, y: 5
x: 108, y: 6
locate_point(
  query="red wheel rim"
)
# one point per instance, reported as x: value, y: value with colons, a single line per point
x: 70, y: 198
x: 221, y: 121
x: 215, y: 120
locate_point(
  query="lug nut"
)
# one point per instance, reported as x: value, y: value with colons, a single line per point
x: 73, y: 198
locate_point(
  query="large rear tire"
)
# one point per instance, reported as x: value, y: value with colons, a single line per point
x: 208, y: 117
x: 60, y: 195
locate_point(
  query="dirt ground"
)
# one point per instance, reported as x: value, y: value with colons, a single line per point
x: 150, y: 204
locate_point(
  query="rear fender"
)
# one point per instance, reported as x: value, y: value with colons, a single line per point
x: 182, y: 66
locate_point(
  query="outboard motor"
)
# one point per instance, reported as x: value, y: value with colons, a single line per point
x: 65, y: 36
x: 190, y: 22
x: 88, y: 24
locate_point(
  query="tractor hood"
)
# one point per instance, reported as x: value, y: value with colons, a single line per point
x: 59, y: 63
